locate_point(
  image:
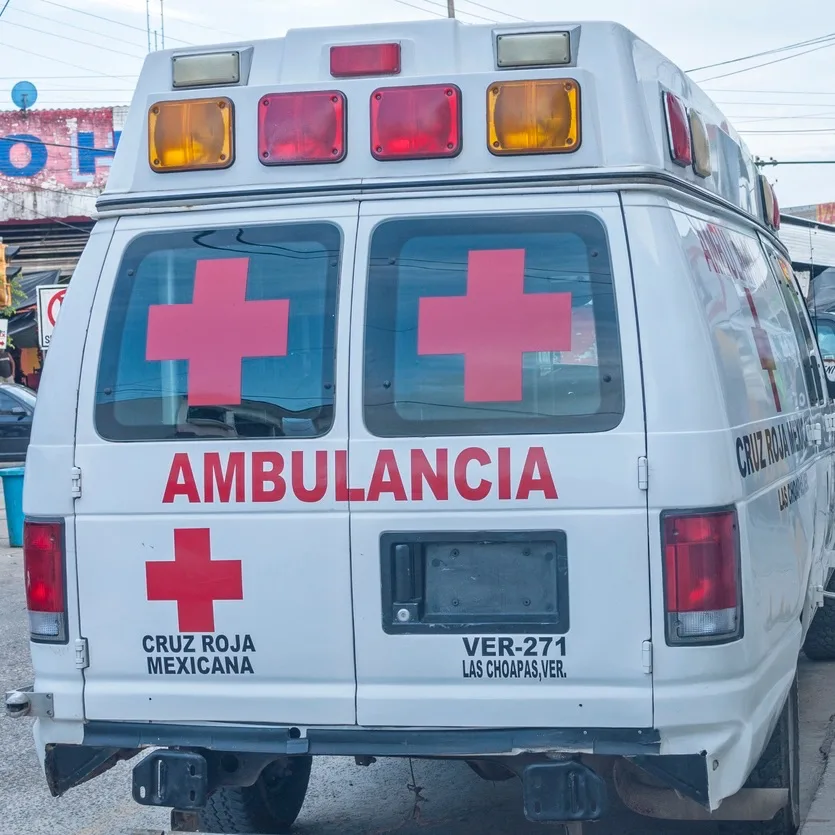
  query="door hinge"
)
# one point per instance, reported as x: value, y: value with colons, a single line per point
x: 829, y: 421
x: 75, y: 482
x: 646, y: 656
x: 643, y: 473
x: 816, y: 434
x: 82, y: 654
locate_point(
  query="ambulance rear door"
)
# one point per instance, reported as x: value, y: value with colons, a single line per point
x: 498, y: 517
x: 213, y: 557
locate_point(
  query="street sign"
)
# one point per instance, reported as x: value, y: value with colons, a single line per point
x: 4, y: 334
x: 50, y: 299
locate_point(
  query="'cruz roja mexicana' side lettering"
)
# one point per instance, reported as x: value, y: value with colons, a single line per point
x: 759, y: 450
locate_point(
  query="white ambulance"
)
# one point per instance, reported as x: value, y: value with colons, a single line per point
x: 437, y: 391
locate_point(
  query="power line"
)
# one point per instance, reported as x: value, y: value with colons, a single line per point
x: 768, y: 63
x: 763, y: 162
x: 774, y: 103
x: 766, y: 52
x: 56, y: 60
x: 74, y: 40
x: 108, y: 20
x: 23, y: 208
x: 828, y: 115
x: 462, y: 11
x: 67, y: 77
x: 790, y: 132
x: 495, y: 11
x: 771, y: 92
x: 419, y: 8
x: 80, y: 28
x: 51, y: 144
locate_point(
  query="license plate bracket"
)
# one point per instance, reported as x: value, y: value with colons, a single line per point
x: 475, y: 582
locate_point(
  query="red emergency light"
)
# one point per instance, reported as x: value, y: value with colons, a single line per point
x: 678, y: 129
x: 296, y: 128
x: 357, y: 60
x: 421, y: 122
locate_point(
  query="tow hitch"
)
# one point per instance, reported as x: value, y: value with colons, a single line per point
x: 25, y: 702
x: 172, y: 778
x: 563, y: 791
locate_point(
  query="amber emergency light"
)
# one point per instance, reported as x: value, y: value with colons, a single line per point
x: 533, y: 117
x: 191, y: 135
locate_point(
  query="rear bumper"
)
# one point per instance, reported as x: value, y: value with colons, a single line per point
x: 375, y: 741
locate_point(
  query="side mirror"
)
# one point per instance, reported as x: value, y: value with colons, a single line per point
x: 19, y: 411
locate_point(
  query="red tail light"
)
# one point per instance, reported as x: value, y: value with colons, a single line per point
x: 416, y: 122
x: 678, y: 130
x: 301, y: 127
x: 43, y: 565
x: 357, y: 60
x: 702, y: 591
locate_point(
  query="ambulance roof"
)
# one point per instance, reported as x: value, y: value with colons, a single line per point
x: 624, y: 126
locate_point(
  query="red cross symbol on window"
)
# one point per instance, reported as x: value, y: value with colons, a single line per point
x: 494, y: 325
x: 763, y: 343
x: 194, y: 580
x: 217, y: 330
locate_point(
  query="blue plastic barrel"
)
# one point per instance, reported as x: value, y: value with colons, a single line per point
x: 13, y: 495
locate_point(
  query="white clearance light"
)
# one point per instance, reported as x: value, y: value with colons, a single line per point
x: 210, y: 69
x: 533, y: 49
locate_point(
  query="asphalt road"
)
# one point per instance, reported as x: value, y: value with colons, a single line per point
x: 344, y: 799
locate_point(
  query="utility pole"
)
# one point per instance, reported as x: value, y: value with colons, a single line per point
x: 162, y: 22
x: 148, y: 21
x: 450, y: 7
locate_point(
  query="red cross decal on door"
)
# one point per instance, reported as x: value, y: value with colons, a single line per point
x: 194, y: 580
x: 763, y: 343
x: 494, y: 324
x: 217, y: 331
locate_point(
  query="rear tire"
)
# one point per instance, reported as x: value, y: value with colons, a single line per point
x: 820, y: 639
x: 269, y: 807
x: 778, y: 768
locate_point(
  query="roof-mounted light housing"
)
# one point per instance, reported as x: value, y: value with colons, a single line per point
x: 206, y: 69
x: 533, y: 49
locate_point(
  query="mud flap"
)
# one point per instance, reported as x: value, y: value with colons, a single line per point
x: 67, y: 766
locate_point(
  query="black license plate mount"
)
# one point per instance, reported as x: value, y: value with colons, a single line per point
x: 475, y: 582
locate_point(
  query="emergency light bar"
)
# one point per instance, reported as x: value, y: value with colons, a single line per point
x: 531, y: 112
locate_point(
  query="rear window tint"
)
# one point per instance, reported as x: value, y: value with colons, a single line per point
x: 223, y: 334
x: 491, y: 325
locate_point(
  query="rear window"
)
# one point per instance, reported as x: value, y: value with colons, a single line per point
x: 223, y: 334
x: 491, y: 325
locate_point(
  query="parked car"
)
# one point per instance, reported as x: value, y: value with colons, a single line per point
x: 17, y: 405
x: 825, y: 326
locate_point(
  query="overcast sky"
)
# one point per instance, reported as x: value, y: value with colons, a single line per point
x: 89, y: 52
